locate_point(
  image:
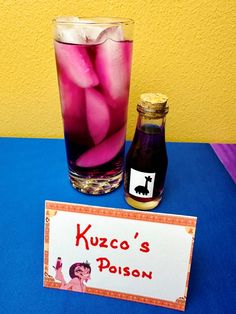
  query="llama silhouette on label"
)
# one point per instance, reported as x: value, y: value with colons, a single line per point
x: 140, y: 189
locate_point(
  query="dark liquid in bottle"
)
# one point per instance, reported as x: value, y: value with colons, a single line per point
x: 147, y: 154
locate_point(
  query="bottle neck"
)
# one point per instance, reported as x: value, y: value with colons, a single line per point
x: 149, y: 132
x: 145, y: 123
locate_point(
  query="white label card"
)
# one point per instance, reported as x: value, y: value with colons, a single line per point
x: 127, y: 254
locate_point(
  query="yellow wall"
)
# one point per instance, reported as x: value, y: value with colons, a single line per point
x: 185, y: 49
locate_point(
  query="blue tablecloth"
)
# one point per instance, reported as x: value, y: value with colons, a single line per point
x: 35, y: 170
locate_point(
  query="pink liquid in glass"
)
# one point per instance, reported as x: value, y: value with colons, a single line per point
x: 94, y: 84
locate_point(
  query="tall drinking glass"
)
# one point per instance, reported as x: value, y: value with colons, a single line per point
x: 93, y: 58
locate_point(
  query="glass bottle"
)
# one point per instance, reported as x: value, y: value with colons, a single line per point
x: 146, y: 161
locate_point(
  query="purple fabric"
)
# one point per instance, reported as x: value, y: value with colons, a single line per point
x: 227, y: 155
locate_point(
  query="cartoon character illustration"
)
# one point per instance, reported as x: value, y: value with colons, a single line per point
x: 79, y: 273
x: 143, y: 189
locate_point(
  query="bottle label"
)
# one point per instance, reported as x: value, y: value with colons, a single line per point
x: 141, y: 183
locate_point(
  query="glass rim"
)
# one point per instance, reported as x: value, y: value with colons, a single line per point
x: 96, y: 20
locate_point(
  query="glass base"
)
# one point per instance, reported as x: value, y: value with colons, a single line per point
x: 142, y: 205
x: 95, y: 186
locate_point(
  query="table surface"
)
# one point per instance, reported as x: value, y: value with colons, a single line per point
x: 35, y: 170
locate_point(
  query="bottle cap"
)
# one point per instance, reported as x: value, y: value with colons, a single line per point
x: 153, y: 105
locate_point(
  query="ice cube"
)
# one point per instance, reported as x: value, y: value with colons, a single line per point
x: 73, y: 106
x: 68, y: 31
x: 111, y: 32
x: 97, y: 115
x: 103, y: 152
x: 97, y: 34
x: 113, y: 69
x: 75, y: 61
x: 118, y: 115
x: 74, y: 30
x: 72, y: 96
x: 91, y: 32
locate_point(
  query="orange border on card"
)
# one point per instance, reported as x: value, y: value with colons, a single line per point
x: 179, y: 304
x: 122, y: 213
x: 189, y: 223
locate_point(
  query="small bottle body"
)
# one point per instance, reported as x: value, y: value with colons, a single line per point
x: 146, y: 161
x: 146, y: 166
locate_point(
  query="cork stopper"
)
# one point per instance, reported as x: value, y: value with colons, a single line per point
x: 153, y: 105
